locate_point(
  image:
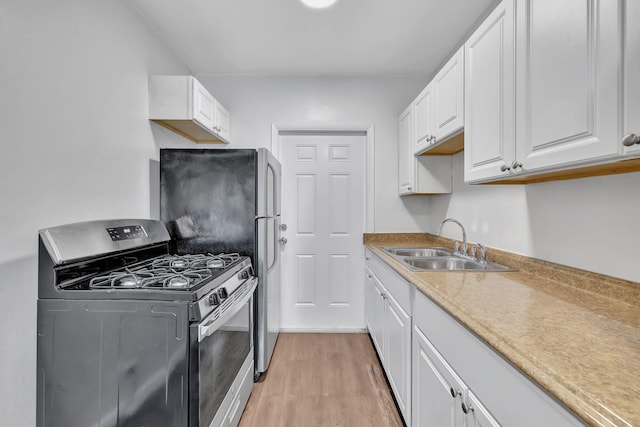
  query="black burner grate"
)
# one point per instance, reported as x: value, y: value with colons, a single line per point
x: 176, y: 272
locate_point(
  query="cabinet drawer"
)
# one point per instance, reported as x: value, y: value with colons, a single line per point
x: 513, y: 399
x: 397, y: 286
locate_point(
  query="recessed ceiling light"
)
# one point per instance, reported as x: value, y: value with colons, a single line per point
x: 319, y: 4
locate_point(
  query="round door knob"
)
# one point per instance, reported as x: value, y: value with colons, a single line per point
x: 630, y: 139
x: 283, y: 240
x: 504, y: 168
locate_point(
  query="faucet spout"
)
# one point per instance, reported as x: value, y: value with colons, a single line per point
x: 464, y: 233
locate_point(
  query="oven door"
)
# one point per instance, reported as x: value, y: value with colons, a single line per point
x: 220, y: 346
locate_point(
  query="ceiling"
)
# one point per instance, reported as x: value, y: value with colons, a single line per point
x: 351, y: 38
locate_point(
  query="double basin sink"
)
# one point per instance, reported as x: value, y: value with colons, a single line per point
x: 441, y: 259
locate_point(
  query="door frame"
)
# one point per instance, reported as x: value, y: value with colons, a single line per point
x: 368, y: 130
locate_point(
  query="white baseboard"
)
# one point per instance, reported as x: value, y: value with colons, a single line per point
x: 324, y: 330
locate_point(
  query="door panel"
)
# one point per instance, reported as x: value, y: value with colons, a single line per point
x: 433, y: 404
x: 567, y: 81
x: 323, y: 180
x: 490, y: 96
x: 631, y: 73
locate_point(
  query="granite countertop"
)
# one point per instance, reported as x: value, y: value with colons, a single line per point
x: 575, y: 333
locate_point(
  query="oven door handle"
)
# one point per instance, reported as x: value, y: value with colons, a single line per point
x: 209, y: 326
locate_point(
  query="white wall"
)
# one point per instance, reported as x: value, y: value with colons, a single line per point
x: 256, y: 103
x: 585, y: 223
x: 75, y: 144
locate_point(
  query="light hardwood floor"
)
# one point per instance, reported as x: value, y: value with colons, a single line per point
x: 322, y: 380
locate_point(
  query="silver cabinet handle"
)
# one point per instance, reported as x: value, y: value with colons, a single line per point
x: 283, y: 240
x: 467, y: 408
x: 455, y: 393
x: 216, y: 128
x: 504, y: 168
x: 515, y: 165
x: 630, y: 139
x: 409, y: 188
x: 384, y: 296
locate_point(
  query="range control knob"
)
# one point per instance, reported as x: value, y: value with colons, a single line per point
x: 214, y: 299
x: 222, y: 292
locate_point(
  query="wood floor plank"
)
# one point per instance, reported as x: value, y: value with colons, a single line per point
x: 319, y: 380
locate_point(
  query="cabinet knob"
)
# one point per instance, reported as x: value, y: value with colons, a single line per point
x: 504, y: 168
x: 455, y: 393
x: 409, y: 188
x: 515, y: 165
x: 283, y: 240
x: 466, y: 408
x: 283, y: 227
x: 630, y: 139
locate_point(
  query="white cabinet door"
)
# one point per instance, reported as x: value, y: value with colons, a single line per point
x: 436, y: 390
x: 379, y: 310
x: 489, y: 129
x: 567, y: 96
x: 631, y: 87
x: 368, y: 299
x: 406, y: 161
x: 203, y: 106
x: 448, y: 105
x: 398, y: 325
x: 477, y: 415
x: 222, y: 125
x: 423, y: 117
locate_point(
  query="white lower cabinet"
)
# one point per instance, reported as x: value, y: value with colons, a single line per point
x: 390, y: 329
x: 398, y: 327
x: 441, y: 374
x: 483, y: 388
x: 432, y: 400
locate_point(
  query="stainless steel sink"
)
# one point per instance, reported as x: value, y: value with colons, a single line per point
x: 441, y: 259
x: 451, y: 263
x: 419, y: 252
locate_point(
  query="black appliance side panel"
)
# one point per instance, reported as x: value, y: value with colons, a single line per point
x: 208, y: 200
x: 112, y: 364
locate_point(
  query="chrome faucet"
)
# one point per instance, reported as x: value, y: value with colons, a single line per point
x: 464, y: 234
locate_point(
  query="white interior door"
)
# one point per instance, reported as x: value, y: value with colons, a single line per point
x: 323, y: 205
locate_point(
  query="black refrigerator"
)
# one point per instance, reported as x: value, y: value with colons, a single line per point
x: 225, y: 201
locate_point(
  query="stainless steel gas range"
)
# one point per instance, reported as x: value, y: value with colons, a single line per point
x: 130, y: 335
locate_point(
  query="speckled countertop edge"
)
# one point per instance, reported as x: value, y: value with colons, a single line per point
x: 627, y: 294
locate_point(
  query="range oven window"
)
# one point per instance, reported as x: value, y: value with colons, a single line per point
x: 220, y: 358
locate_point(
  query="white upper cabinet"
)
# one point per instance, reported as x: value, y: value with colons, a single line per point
x: 222, y: 122
x: 631, y: 90
x: 183, y: 105
x: 204, y: 105
x: 490, y: 96
x: 543, y: 91
x: 406, y: 164
x: 568, y: 54
x: 439, y: 110
x: 424, y: 129
x: 419, y: 175
x: 448, y: 103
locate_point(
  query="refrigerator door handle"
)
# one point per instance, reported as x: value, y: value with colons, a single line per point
x: 276, y: 251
